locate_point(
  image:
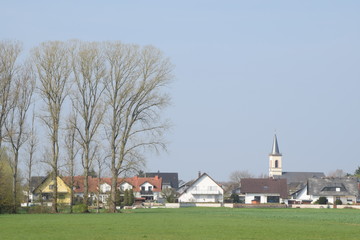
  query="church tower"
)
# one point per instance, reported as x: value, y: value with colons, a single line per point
x: 275, y: 157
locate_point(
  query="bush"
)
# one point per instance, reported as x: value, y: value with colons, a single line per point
x: 338, y: 202
x: 80, y: 208
x: 321, y: 200
x: 39, y: 209
x: 235, y: 198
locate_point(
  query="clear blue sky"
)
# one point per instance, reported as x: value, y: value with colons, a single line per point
x: 243, y: 69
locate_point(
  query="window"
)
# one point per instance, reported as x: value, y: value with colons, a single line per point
x: 334, y: 189
x: 61, y: 196
x: 276, y: 164
x: 150, y: 188
x: 143, y: 188
x: 273, y: 199
x: 51, y: 187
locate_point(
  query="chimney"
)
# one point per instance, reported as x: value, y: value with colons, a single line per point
x: 199, y: 173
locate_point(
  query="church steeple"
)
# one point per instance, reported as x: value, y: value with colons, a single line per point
x: 275, y: 160
x: 275, y: 147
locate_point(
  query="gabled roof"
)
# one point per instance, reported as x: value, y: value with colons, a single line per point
x: 168, y: 178
x: 300, y: 177
x: 264, y: 185
x: 35, y: 181
x: 136, y: 182
x: 79, y: 182
x: 193, y: 183
x: 333, y: 186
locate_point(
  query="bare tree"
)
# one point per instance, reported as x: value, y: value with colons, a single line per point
x: 9, y: 53
x: 89, y: 72
x: 72, y: 151
x: 15, y: 126
x: 236, y: 176
x: 32, y: 145
x: 338, y: 173
x: 53, y: 71
x: 133, y: 90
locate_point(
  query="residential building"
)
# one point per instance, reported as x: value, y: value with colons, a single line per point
x: 263, y: 190
x: 203, y: 189
x: 144, y: 188
x: 344, y: 189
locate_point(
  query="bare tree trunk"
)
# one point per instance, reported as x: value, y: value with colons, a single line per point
x: 72, y: 151
x: 53, y: 69
x: 100, y: 163
x: 32, y: 145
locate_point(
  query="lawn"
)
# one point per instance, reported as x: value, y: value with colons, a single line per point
x: 187, y: 223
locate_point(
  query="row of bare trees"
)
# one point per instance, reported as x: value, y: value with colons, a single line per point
x: 112, y: 93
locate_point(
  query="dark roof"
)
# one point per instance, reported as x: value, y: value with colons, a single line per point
x: 333, y: 186
x: 300, y: 177
x: 275, y: 148
x: 167, y: 178
x: 36, y: 181
x: 264, y: 185
x: 295, y: 187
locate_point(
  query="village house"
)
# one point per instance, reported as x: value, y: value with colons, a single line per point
x: 263, y: 190
x: 144, y: 189
x: 344, y: 189
x: 203, y: 189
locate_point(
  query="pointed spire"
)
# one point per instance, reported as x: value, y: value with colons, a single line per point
x: 275, y: 147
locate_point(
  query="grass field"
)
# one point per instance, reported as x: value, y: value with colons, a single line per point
x: 187, y: 223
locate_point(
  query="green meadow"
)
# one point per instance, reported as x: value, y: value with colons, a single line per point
x: 187, y: 223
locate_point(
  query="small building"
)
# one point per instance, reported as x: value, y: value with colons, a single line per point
x: 203, y: 189
x: 44, y: 191
x: 263, y: 190
x: 344, y: 189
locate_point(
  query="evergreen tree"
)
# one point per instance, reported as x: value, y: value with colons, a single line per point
x: 131, y: 197
x: 126, y: 198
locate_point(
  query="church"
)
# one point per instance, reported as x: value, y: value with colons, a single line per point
x: 295, y: 180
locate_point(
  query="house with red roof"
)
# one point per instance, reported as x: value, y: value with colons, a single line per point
x: 144, y: 188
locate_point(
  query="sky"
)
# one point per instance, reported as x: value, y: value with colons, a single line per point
x: 243, y: 71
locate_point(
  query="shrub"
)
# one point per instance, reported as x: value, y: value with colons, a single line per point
x: 80, y: 208
x: 39, y: 209
x: 322, y: 200
x: 338, y: 202
x: 235, y: 198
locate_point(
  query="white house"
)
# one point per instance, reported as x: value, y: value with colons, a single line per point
x: 203, y: 189
x: 344, y: 189
x: 263, y: 190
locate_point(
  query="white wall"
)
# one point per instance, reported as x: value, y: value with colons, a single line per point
x: 104, y: 187
x: 263, y: 197
x: 203, y: 190
x: 125, y: 186
x: 148, y: 186
x: 302, y: 195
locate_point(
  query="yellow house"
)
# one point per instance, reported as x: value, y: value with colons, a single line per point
x: 46, y: 190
